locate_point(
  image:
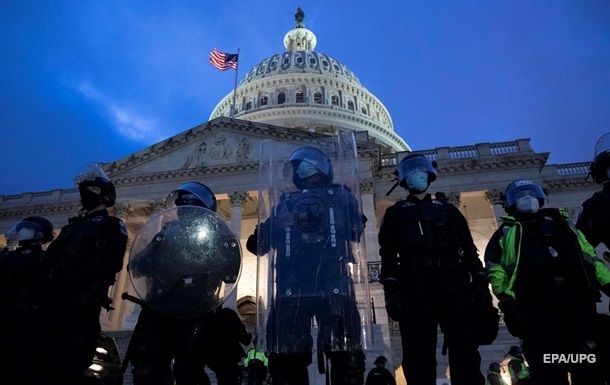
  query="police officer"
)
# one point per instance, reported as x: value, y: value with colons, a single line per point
x: 82, y: 263
x: 379, y: 375
x: 222, y: 346
x: 547, y: 278
x: 594, y: 217
x: 428, y: 260
x: 256, y: 363
x: 518, y: 370
x: 494, y: 376
x: 181, y: 320
x: 311, y: 231
x: 19, y: 269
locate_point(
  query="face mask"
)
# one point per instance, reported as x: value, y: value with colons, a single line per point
x: 528, y: 205
x: 305, y: 170
x: 90, y: 200
x: 417, y: 181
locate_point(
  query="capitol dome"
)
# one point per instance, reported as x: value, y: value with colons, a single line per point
x: 309, y: 90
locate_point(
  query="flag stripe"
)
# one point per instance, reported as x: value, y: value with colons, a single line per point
x: 223, y: 61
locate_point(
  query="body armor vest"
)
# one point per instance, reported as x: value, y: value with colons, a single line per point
x: 314, y: 251
x: 77, y: 251
x: 425, y: 229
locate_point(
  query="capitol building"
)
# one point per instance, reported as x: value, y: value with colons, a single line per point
x: 298, y: 96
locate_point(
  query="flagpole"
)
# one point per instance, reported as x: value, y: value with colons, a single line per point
x: 235, y: 87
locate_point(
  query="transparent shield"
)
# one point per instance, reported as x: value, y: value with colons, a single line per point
x: 312, y: 284
x: 184, y: 261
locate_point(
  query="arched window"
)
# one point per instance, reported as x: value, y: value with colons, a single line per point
x: 334, y: 100
x: 248, y: 106
x: 246, y: 308
x: 350, y: 105
x: 264, y: 100
x: 363, y: 110
x: 281, y: 98
x: 300, y: 97
x: 317, y: 97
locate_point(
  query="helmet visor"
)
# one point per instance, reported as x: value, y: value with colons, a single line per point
x: 25, y: 231
x: 602, y: 145
x: 192, y: 194
x: 524, y: 191
x: 419, y: 163
x: 90, y: 171
x: 305, y: 162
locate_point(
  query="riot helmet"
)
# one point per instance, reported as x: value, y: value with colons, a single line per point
x: 192, y: 194
x: 494, y: 367
x: 31, y: 229
x: 524, y: 196
x: 416, y: 172
x: 601, y: 160
x: 515, y: 351
x: 95, y: 187
x: 308, y: 167
x: 381, y: 360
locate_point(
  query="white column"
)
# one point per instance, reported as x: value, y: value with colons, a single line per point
x: 367, y: 189
x: 238, y: 200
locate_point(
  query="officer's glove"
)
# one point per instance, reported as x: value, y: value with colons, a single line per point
x: 514, y: 319
x: 481, y: 295
x: 394, y: 303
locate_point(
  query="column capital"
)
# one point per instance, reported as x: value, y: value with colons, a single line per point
x: 367, y: 186
x: 495, y: 196
x: 156, y: 206
x: 451, y: 197
x: 238, y: 199
x: 122, y: 210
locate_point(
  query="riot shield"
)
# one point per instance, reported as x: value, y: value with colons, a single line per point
x: 184, y: 261
x: 312, y: 284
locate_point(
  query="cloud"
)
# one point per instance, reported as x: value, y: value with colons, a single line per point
x: 128, y: 123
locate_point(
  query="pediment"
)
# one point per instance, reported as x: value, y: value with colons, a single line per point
x: 219, y: 143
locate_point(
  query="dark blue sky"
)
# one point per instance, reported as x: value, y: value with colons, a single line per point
x: 95, y: 81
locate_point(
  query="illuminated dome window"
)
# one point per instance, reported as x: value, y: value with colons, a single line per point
x: 317, y: 97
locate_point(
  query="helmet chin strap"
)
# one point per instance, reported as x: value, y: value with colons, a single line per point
x: 100, y: 206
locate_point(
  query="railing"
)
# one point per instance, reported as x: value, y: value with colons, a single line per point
x: 54, y: 196
x: 465, y: 152
x: 504, y: 149
x: 573, y: 169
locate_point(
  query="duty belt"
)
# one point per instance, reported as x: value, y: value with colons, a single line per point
x: 435, y: 261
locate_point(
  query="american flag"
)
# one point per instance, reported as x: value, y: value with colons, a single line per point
x: 223, y: 61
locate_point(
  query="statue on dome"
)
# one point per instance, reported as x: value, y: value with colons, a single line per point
x: 299, y: 16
